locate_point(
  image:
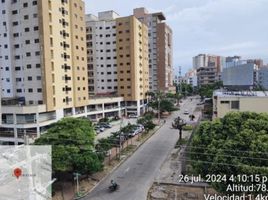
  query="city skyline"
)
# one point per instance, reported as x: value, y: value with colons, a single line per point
x: 222, y: 27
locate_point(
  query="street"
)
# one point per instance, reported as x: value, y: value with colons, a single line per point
x: 135, y: 176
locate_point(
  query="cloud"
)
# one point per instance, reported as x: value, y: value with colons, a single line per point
x: 223, y: 27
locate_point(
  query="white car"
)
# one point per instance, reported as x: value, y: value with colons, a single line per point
x: 186, y: 112
x: 133, y: 116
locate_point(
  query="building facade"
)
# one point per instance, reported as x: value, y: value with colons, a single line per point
x: 132, y: 63
x: 227, y: 101
x: 263, y: 77
x: 231, y: 75
x: 160, y: 50
x: 209, y: 68
x: 101, y: 47
x: 43, y: 68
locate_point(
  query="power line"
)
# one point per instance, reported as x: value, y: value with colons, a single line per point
x: 225, y: 155
x: 231, y: 150
x: 218, y: 163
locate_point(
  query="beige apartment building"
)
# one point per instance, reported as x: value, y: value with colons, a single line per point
x: 160, y: 50
x: 43, y: 74
x: 132, y: 62
x: 62, y: 39
x: 227, y: 101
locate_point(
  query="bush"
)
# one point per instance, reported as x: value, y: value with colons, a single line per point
x: 187, y: 128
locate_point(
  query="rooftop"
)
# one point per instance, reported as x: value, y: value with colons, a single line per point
x: 221, y: 93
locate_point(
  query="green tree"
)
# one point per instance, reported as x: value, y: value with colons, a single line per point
x: 235, y: 144
x: 207, y: 90
x: 147, y: 122
x: 72, y: 141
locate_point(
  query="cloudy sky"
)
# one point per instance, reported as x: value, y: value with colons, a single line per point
x: 221, y: 27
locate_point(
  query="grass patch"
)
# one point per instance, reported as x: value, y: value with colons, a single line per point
x: 187, y: 128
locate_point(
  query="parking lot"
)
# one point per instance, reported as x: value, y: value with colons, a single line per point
x: 115, y: 127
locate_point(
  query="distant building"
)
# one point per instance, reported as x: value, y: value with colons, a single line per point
x: 224, y: 102
x: 208, y: 67
x: 207, y: 75
x: 263, y: 77
x: 191, y: 78
x: 240, y: 75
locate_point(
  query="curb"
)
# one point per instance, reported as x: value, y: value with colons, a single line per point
x: 119, y: 164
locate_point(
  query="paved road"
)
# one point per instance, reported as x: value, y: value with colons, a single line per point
x: 136, y: 175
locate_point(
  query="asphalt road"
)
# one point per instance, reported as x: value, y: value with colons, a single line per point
x: 135, y: 176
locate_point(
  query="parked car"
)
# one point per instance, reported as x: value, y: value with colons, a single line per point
x: 200, y: 103
x: 102, y: 129
x: 132, y: 133
x: 133, y: 116
x: 186, y: 112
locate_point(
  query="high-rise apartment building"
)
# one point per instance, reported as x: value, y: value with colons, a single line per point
x: 118, y: 58
x: 160, y: 50
x: 43, y: 53
x: 101, y: 47
x: 132, y: 61
x: 43, y: 67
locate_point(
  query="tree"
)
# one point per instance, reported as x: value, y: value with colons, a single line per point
x: 72, y: 141
x: 165, y: 105
x: 235, y: 144
x: 147, y: 122
x: 207, y: 90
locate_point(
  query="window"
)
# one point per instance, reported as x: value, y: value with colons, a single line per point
x: 39, y: 90
x: 37, y: 65
x: 27, y: 29
x: 25, y: 5
x: 34, y: 3
x: 14, y: 12
x: 30, y: 90
x: 36, y: 28
x: 28, y: 54
x: 17, y: 68
x: 38, y: 78
x: 36, y: 41
x: 26, y: 17
x: 29, y: 66
x: 15, y: 23
x: 30, y: 78
x: 225, y: 102
x: 234, y: 104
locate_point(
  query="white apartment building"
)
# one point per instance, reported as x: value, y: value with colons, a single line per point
x: 101, y: 47
x: 20, y: 51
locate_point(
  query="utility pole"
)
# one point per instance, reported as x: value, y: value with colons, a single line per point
x: 180, y: 79
x: 76, y: 177
x: 120, y: 137
x: 159, y: 110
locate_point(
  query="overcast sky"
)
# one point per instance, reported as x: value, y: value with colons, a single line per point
x: 221, y: 27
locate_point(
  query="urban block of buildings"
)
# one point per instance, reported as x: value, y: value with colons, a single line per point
x: 57, y: 62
